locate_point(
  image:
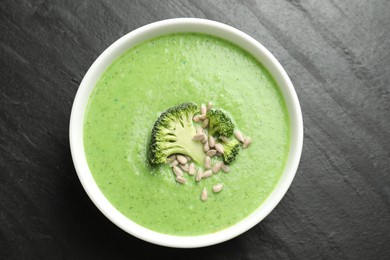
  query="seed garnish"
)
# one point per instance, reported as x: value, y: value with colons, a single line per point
x: 206, y: 147
x: 191, y: 170
x: 181, y: 163
x: 216, y: 167
x: 207, y: 162
x: 224, y: 139
x: 204, y: 139
x: 225, y: 168
x: 205, y: 123
x: 180, y: 179
x: 207, y: 174
x: 211, y: 141
x: 174, y: 163
x: 203, y: 109
x: 198, y: 137
x: 203, y: 117
x: 196, y: 118
x: 171, y: 158
x: 218, y: 187
x: 182, y: 159
x: 247, y: 142
x: 211, y: 153
x: 204, y: 194
x: 184, y: 167
x: 219, y: 148
x: 239, y: 136
x: 209, y: 106
x: 177, y: 171
x: 198, y: 176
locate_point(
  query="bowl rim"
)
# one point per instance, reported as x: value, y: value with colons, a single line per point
x: 163, y: 27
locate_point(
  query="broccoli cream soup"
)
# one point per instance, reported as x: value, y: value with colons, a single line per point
x: 162, y: 73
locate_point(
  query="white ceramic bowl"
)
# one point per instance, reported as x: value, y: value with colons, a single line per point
x: 173, y: 26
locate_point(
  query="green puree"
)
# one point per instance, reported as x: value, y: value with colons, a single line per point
x: 164, y: 72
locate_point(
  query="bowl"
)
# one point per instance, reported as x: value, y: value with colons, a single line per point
x: 167, y: 27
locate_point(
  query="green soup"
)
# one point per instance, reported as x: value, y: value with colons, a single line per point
x: 159, y: 74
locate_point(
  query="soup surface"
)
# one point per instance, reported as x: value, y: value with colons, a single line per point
x: 161, y: 73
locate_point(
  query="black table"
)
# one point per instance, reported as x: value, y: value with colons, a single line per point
x: 337, y: 54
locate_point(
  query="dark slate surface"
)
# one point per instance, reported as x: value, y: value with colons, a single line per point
x: 337, y: 54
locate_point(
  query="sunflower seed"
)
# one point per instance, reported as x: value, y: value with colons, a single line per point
x: 211, y: 141
x: 247, y: 142
x: 184, y: 167
x: 224, y: 139
x: 198, y: 176
x: 239, y: 136
x: 180, y: 179
x: 174, y: 163
x: 225, y: 168
x: 196, y: 118
x: 211, y: 153
x: 218, y: 187
x: 207, y: 162
x: 209, y: 106
x: 178, y: 172
x: 206, y: 147
x: 204, y: 139
x: 203, y: 109
x: 182, y: 159
x: 207, y: 174
x: 198, y: 137
x: 191, y: 170
x: 219, y: 148
x: 205, y: 123
x: 171, y: 158
x: 217, y: 167
x: 203, y: 117
x: 203, y: 197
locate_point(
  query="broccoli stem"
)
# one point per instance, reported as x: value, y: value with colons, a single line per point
x: 185, y: 145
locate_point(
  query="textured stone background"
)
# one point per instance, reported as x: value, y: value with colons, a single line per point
x: 337, y: 54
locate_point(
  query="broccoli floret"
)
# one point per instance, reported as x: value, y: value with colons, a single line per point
x: 220, y: 123
x: 172, y: 133
x: 230, y: 151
